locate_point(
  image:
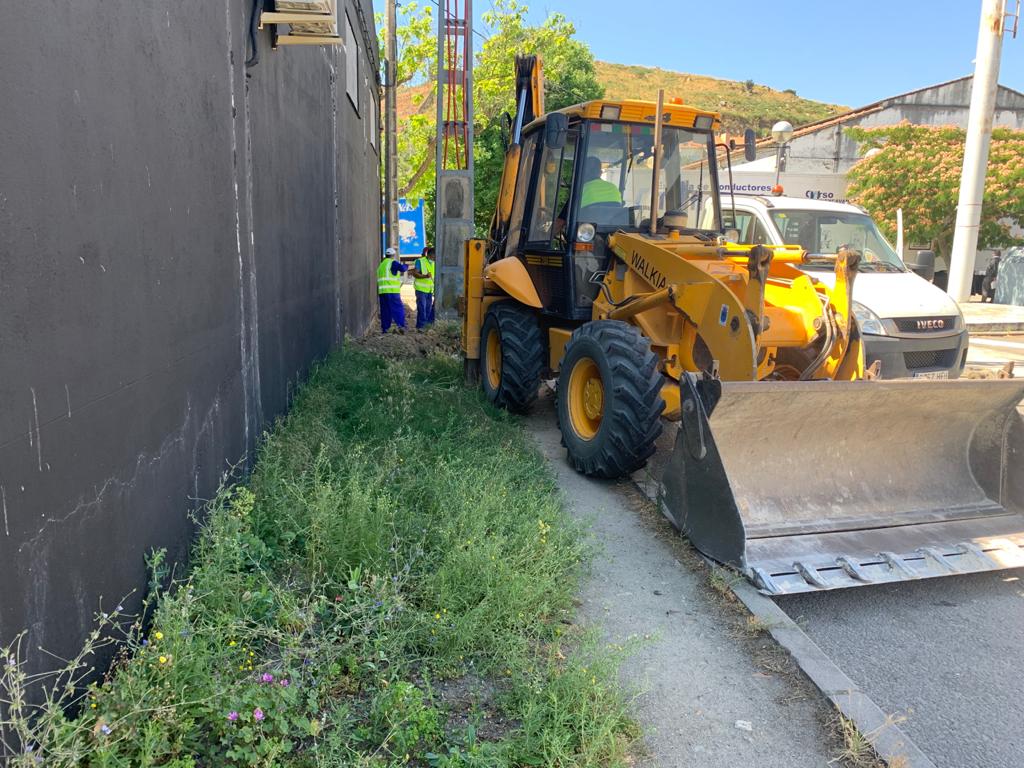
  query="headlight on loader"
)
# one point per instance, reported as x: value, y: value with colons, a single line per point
x: 868, y: 321
x: 585, y: 233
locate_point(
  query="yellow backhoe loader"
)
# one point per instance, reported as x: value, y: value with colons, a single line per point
x: 606, y: 267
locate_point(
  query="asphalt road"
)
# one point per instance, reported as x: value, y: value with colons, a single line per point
x: 946, y: 654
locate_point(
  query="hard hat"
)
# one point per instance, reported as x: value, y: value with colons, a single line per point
x: 390, y: 252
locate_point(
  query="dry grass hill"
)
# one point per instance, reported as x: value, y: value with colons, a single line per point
x: 743, y: 105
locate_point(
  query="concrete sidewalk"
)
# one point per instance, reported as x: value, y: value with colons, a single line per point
x: 982, y: 318
x: 698, y: 670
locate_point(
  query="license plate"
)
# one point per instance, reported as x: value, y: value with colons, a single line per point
x: 932, y: 375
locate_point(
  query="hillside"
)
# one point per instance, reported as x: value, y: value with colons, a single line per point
x: 757, y: 108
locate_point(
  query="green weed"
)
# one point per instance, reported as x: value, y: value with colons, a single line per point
x: 396, y: 531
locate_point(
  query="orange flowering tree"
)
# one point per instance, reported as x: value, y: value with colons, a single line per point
x: 918, y: 169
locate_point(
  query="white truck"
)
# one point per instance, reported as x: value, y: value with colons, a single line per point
x: 912, y: 327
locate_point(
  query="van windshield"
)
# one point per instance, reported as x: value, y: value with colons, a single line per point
x: 821, y: 233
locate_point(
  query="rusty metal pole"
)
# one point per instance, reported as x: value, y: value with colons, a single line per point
x: 391, y: 129
x: 657, y: 163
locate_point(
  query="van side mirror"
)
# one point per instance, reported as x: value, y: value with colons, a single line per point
x: 749, y: 145
x: 556, y: 129
x: 923, y: 264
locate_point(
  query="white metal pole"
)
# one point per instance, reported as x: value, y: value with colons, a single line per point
x: 979, y: 135
x: 899, y: 233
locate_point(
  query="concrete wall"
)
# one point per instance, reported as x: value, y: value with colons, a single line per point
x: 180, y: 238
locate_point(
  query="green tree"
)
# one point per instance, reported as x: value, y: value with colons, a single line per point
x: 917, y: 168
x: 569, y: 77
x: 417, y: 61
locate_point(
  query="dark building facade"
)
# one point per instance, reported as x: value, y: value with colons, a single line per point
x: 181, y: 237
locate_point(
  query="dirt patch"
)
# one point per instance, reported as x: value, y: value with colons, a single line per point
x: 982, y: 372
x: 443, y: 338
x: 472, y: 701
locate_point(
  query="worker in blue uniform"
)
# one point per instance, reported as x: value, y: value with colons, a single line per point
x: 423, y: 281
x: 389, y: 291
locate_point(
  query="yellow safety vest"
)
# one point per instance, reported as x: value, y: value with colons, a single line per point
x: 387, y: 282
x: 424, y: 284
x: 599, y: 191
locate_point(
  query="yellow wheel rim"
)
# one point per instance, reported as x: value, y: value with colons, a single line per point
x: 493, y: 359
x: 586, y: 398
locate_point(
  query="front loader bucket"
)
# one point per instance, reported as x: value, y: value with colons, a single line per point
x: 817, y: 485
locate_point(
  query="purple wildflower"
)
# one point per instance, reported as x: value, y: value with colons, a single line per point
x: 232, y: 716
x: 257, y: 714
x: 266, y: 677
x: 106, y: 729
x: 285, y: 683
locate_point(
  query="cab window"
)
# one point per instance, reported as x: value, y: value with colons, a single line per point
x: 551, y: 196
x: 526, y: 159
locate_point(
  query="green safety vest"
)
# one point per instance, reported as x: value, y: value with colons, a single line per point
x: 387, y: 282
x: 424, y: 284
x: 599, y: 191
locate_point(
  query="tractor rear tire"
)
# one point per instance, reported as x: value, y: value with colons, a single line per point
x: 511, y: 356
x: 609, y: 399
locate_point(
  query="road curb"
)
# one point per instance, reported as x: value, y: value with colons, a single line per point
x: 995, y: 327
x: 886, y: 737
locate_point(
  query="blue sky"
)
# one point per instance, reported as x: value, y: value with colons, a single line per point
x: 850, y: 53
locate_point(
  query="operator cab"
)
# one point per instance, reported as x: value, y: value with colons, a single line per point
x: 586, y: 172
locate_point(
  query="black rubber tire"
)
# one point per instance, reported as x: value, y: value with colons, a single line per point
x: 631, y: 417
x: 522, y: 355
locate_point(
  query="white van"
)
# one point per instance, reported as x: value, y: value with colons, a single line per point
x: 912, y: 327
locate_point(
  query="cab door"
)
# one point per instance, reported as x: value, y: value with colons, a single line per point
x: 543, y: 241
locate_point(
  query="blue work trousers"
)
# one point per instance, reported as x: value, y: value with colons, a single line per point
x: 424, y: 309
x: 392, y: 310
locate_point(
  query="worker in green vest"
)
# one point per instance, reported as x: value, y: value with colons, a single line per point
x: 423, y: 281
x: 389, y: 291
x: 596, y: 189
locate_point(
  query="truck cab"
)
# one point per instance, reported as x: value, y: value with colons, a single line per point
x: 910, y: 326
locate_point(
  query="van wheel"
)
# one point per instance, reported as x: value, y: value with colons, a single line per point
x: 609, y: 399
x: 511, y: 355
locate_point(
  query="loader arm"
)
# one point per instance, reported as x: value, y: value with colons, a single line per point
x: 529, y: 106
x: 710, y: 306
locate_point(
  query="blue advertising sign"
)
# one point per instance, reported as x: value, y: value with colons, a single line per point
x: 412, y: 236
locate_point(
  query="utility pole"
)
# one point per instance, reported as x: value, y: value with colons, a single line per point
x: 979, y: 136
x: 390, y: 130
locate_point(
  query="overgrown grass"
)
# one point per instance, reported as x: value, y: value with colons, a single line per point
x: 396, y: 533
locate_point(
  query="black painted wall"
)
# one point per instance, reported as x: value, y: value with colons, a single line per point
x: 180, y: 238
